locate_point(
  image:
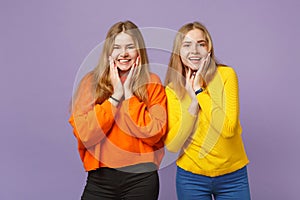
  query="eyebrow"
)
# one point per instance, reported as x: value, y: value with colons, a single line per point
x: 130, y: 44
x: 199, y: 41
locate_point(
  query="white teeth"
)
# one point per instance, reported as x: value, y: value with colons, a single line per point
x: 195, y: 59
x: 123, y: 61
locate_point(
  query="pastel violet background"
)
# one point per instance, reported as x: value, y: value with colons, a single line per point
x: 43, y: 44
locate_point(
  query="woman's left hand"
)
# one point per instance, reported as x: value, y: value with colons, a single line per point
x: 128, y: 90
x: 189, y: 82
x: 198, y: 80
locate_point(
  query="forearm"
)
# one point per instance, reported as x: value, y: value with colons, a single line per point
x: 92, y: 126
x: 220, y: 103
x: 147, y: 124
x: 179, y: 131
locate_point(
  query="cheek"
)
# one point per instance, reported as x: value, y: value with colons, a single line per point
x: 133, y: 54
x: 183, y: 55
x: 203, y: 51
x: 115, y: 53
x: 185, y: 62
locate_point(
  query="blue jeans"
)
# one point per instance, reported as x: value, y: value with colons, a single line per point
x: 231, y: 186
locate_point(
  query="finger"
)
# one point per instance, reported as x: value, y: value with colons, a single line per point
x: 116, y: 73
x: 111, y: 61
x: 129, y: 79
x: 134, y: 69
x: 197, y: 76
x: 188, y: 73
x: 202, y: 63
x: 208, y: 59
x: 115, y: 70
x: 192, y: 79
x: 111, y: 66
x: 188, y: 76
x: 206, y: 64
x: 131, y: 71
x: 137, y: 61
x: 208, y: 55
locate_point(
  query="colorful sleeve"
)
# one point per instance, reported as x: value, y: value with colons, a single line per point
x: 180, y: 122
x: 146, y: 121
x: 221, y: 103
x: 90, y: 121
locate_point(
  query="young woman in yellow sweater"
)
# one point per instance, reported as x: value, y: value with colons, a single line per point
x: 119, y: 120
x: 203, y: 120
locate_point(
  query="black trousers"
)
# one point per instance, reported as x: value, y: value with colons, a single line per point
x: 109, y: 184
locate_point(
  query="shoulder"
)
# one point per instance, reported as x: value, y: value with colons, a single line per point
x: 170, y: 91
x: 226, y: 71
x: 154, y: 78
x: 87, y: 79
x: 86, y: 82
x: 169, y: 87
x: 154, y: 85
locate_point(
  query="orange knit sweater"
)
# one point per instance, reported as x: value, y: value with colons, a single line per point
x: 120, y: 136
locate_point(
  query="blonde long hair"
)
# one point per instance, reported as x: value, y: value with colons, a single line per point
x: 101, y: 84
x: 176, y: 70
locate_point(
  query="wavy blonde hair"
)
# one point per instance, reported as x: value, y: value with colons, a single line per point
x: 176, y: 69
x: 102, y: 87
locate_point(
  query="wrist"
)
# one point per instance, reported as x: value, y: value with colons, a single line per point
x: 114, y: 100
x: 198, y: 91
x: 117, y: 95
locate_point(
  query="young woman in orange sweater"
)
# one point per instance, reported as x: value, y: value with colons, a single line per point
x: 119, y: 119
x: 203, y: 120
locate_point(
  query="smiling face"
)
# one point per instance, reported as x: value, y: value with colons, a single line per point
x: 194, y: 47
x: 124, y: 51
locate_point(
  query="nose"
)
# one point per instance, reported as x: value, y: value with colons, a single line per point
x: 194, y: 48
x: 124, y: 52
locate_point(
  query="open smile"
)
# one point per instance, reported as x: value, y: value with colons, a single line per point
x: 194, y: 59
x: 124, y: 61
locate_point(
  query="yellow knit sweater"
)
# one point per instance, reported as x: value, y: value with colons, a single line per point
x: 210, y: 143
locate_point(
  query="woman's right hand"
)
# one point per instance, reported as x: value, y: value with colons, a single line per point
x: 189, y: 82
x: 115, y: 80
x: 128, y: 92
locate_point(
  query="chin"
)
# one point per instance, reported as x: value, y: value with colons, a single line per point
x: 124, y: 68
x: 194, y: 68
